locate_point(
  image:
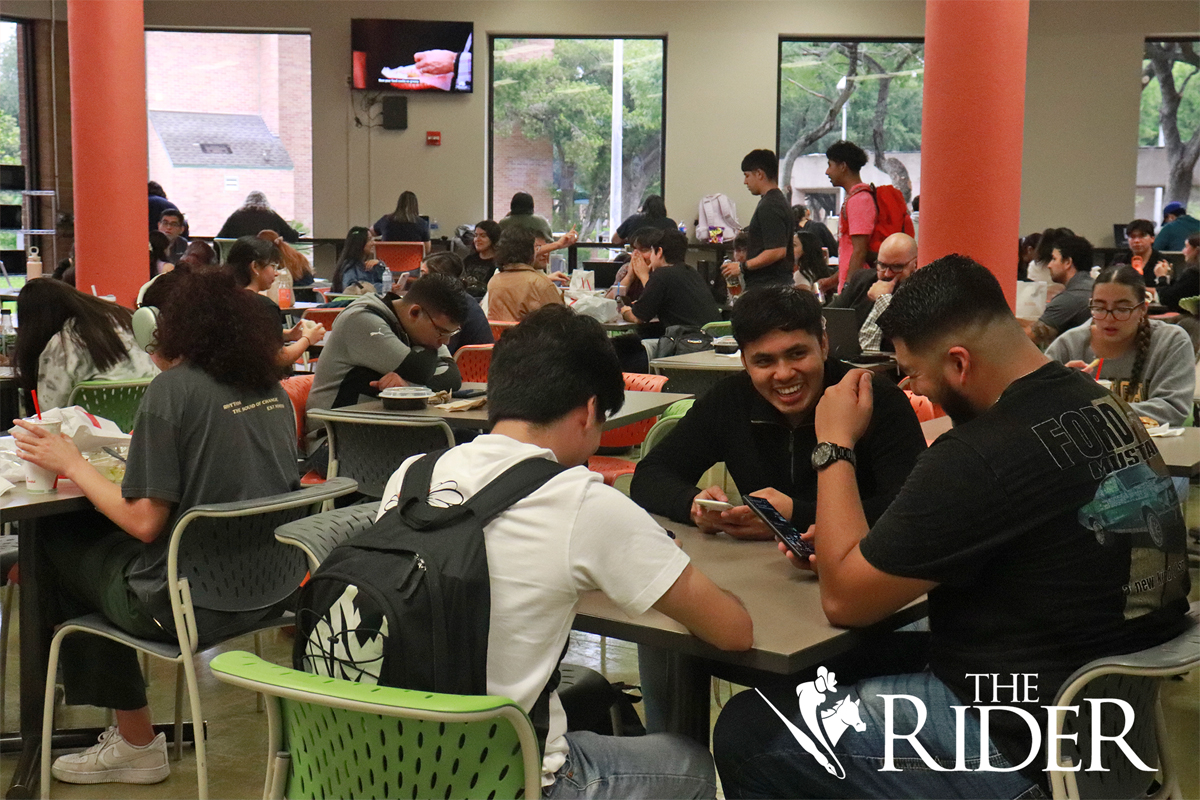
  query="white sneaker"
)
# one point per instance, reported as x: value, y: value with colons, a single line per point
x: 114, y: 760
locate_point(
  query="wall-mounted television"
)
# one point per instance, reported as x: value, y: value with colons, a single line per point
x: 407, y: 55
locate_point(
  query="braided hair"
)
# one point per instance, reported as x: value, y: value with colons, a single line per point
x: 1128, y: 276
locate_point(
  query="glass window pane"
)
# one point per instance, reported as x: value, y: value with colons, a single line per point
x: 1170, y: 118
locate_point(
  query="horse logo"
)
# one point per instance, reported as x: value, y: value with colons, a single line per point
x: 826, y: 726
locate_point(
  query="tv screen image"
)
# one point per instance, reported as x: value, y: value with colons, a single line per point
x: 411, y: 55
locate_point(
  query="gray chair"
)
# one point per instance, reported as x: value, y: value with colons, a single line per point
x: 8, y: 557
x: 370, y: 447
x: 319, y: 534
x: 229, y: 561
x: 1134, y: 678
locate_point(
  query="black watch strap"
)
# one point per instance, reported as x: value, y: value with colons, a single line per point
x: 826, y: 453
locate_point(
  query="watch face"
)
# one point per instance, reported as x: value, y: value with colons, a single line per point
x: 822, y: 454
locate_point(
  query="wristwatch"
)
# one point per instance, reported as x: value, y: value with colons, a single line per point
x: 742, y: 267
x: 826, y: 453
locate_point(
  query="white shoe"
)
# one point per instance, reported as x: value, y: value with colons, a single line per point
x: 114, y: 760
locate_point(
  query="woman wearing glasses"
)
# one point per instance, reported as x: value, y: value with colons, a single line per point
x: 1150, y: 363
x: 254, y: 263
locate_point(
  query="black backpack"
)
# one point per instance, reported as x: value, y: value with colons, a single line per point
x: 680, y: 340
x: 406, y: 603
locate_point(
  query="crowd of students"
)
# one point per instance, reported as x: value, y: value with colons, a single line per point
x: 986, y: 521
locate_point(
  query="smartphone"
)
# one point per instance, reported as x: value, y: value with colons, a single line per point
x: 712, y: 505
x: 466, y: 394
x: 784, y: 531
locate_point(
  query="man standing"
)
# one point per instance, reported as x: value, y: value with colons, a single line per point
x: 675, y: 294
x: 1177, y: 226
x: 897, y: 260
x: 1009, y: 524
x: 171, y: 223
x: 760, y: 424
x: 770, y: 257
x: 1071, y: 266
x: 857, y: 220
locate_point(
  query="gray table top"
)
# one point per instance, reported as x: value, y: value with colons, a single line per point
x: 790, y: 629
x: 17, y: 504
x: 638, y: 406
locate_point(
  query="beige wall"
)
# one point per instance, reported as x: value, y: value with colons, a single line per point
x: 1081, y: 109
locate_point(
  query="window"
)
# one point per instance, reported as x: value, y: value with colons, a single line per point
x: 868, y: 92
x: 231, y: 113
x: 553, y: 132
x: 11, y: 75
x: 1169, y: 133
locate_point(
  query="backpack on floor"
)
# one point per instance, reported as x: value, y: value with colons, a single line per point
x: 407, y: 602
x: 891, y: 215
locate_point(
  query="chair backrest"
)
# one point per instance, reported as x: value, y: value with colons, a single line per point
x: 400, y: 256
x: 323, y: 316
x: 230, y: 557
x: 633, y: 433
x: 298, y: 388
x: 719, y: 328
x: 658, y: 432
x: 499, y: 327
x: 473, y: 361
x: 115, y: 400
x: 1135, y: 679
x: 222, y: 247
x: 370, y: 447
x: 679, y: 408
x: 337, y: 738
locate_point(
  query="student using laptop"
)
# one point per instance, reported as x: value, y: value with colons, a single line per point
x: 760, y: 423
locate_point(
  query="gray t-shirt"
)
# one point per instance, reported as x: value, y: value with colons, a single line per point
x: 197, y: 441
x: 1070, y: 306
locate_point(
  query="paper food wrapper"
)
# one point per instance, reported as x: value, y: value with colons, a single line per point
x: 86, y: 430
x: 5, y: 486
x: 464, y: 405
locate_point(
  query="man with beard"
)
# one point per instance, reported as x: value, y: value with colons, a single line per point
x: 996, y: 525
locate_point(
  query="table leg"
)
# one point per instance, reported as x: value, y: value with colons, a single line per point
x: 689, y: 700
x: 35, y: 648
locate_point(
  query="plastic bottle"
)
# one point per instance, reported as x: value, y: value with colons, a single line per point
x: 9, y: 333
x: 33, y: 265
x: 282, y: 288
x: 387, y: 280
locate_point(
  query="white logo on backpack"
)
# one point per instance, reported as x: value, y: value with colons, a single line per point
x: 336, y: 648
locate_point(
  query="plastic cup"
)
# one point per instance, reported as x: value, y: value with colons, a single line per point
x: 36, y: 478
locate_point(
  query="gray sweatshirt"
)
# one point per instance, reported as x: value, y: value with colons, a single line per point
x: 367, y: 342
x: 1168, y: 379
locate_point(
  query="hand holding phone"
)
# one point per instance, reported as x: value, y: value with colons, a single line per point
x: 707, y: 508
x: 712, y: 505
x: 783, y: 529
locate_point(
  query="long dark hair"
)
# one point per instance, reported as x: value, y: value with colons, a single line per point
x: 654, y: 207
x: 247, y: 251
x: 1128, y: 276
x: 812, y: 262
x: 352, y: 253
x: 406, y: 208
x: 213, y: 324
x: 45, y: 306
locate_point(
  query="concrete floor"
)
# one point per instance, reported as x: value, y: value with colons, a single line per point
x: 237, y: 733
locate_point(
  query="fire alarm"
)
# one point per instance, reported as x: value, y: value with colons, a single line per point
x: 433, y: 137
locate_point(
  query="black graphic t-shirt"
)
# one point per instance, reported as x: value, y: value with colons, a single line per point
x: 1056, y: 536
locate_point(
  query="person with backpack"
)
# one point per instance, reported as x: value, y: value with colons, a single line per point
x: 856, y: 221
x: 770, y: 230
x: 551, y: 531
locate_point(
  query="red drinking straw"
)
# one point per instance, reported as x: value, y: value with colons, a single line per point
x: 1099, y: 366
x: 37, y: 407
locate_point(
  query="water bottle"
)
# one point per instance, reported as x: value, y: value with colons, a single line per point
x: 387, y: 280
x: 9, y: 333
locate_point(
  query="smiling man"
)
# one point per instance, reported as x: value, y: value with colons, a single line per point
x: 760, y: 423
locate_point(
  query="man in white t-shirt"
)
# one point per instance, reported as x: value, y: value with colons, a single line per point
x: 552, y: 381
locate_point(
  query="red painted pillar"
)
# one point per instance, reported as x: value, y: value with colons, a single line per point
x: 972, y: 131
x: 108, y: 138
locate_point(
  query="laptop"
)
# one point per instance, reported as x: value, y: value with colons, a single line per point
x: 604, y: 272
x: 841, y: 326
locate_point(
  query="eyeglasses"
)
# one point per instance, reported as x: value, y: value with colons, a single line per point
x: 894, y: 269
x: 443, y: 333
x: 1120, y: 313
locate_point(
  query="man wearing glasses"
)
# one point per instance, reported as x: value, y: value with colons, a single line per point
x: 383, y: 342
x: 1070, y: 265
x: 171, y: 223
x: 897, y: 260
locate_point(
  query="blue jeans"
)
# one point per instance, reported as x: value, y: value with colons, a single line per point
x: 758, y: 756
x: 660, y: 765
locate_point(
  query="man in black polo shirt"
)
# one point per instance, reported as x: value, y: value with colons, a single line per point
x: 674, y: 293
x: 760, y: 423
x: 770, y: 230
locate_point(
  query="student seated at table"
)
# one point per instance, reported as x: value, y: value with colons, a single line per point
x: 253, y: 261
x: 1070, y: 266
x: 219, y: 397
x: 357, y: 263
x: 382, y: 342
x: 405, y: 224
x: 475, y: 328
x: 760, y: 423
x: 543, y: 247
x: 294, y: 262
x: 675, y: 293
x: 991, y: 525
x: 480, y: 264
x: 1149, y: 362
x: 553, y: 380
x: 67, y: 337
x: 518, y: 289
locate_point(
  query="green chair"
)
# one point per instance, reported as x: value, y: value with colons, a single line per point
x: 678, y: 408
x: 115, y: 400
x: 336, y: 738
x: 719, y: 328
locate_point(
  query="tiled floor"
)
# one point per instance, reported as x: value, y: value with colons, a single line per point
x: 237, y: 734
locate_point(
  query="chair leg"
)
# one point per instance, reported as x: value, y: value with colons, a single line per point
x: 180, y: 679
x: 189, y: 670
x: 1166, y: 762
x: 261, y: 704
x: 5, y: 616
x: 48, y: 711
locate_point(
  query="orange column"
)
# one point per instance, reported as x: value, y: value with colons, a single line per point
x: 108, y: 139
x: 971, y: 132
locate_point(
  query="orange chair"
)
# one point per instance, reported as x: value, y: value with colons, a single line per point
x: 323, y: 316
x: 473, y: 361
x: 626, y: 435
x: 297, y: 388
x: 400, y: 256
x: 499, y: 327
